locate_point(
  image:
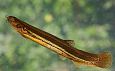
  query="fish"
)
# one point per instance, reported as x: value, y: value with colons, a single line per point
x: 60, y: 46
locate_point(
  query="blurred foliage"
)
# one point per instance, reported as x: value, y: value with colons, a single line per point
x: 90, y: 23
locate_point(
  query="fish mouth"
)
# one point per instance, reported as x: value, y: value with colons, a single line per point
x: 11, y: 18
x: 12, y: 21
x: 15, y: 23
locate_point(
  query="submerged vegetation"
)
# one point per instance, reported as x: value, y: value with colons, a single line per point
x: 89, y: 23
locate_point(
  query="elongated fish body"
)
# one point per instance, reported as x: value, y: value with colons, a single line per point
x: 60, y: 46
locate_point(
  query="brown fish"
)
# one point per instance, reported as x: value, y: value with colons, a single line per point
x: 62, y: 47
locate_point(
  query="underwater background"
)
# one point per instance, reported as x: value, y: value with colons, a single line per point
x: 90, y: 23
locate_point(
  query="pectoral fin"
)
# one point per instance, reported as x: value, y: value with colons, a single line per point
x: 23, y: 35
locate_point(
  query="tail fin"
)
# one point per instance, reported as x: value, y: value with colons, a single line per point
x: 104, y: 60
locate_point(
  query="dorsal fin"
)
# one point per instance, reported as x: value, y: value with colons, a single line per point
x: 70, y: 42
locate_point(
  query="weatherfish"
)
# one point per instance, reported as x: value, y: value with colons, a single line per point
x: 62, y: 47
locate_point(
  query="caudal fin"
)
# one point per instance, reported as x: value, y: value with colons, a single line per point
x: 104, y: 60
